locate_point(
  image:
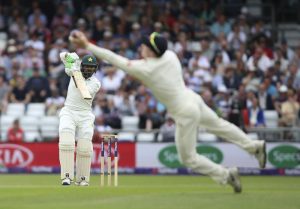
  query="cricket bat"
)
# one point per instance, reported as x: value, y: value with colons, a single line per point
x: 78, y: 80
x: 80, y: 84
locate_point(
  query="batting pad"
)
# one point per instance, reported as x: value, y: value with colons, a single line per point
x: 84, y: 153
x: 66, y: 154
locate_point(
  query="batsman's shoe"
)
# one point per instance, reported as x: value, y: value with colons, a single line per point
x: 66, y: 182
x: 82, y: 182
x: 261, y: 154
x: 234, y: 180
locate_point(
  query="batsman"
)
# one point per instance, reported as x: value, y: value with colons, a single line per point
x: 77, y: 119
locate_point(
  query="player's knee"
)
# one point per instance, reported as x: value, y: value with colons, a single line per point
x: 84, y: 148
x: 66, y: 141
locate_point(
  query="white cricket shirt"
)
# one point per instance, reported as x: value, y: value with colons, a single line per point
x: 74, y: 99
x: 163, y: 75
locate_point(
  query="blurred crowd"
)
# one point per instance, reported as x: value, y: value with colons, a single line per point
x: 231, y: 60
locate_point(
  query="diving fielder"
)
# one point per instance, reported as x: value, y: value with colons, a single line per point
x: 77, y: 118
x: 161, y: 72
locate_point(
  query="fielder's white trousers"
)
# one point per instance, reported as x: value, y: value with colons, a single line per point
x: 195, y: 113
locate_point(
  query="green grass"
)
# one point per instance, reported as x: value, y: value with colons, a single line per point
x: 155, y: 192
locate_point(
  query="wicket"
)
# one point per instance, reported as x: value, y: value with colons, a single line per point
x: 109, y: 139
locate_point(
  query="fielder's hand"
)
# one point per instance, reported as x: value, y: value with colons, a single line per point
x: 78, y: 39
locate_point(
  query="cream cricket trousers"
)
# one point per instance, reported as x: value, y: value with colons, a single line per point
x: 79, y: 123
x: 195, y: 113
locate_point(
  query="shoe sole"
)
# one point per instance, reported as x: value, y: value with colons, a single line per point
x: 235, y: 175
x: 265, y: 156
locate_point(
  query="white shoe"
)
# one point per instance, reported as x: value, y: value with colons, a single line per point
x: 234, y: 180
x: 66, y: 181
x: 261, y: 154
x: 82, y: 182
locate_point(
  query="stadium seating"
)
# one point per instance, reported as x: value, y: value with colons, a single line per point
x: 126, y: 136
x: 6, y: 122
x: 159, y: 137
x: 15, y: 109
x: 145, y: 137
x: 49, y: 127
x: 3, y: 136
x: 130, y: 123
x: 271, y: 118
x: 29, y: 123
x: 36, y: 109
x: 32, y: 136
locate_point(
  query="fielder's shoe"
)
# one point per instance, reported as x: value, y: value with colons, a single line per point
x: 82, y: 182
x: 261, y: 154
x: 66, y: 181
x: 234, y: 180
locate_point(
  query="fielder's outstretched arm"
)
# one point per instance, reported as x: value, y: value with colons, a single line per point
x: 133, y: 67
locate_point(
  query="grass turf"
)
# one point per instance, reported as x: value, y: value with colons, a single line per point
x: 155, y: 192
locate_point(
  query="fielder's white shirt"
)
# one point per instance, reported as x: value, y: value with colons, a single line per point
x: 74, y: 99
x: 163, y: 75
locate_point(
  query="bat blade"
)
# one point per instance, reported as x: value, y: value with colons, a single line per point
x: 80, y: 84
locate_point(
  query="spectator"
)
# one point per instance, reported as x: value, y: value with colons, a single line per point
x: 105, y: 108
x: 61, y: 18
x: 259, y: 29
x: 55, y: 65
x: 207, y: 13
x: 279, y: 58
x: 35, y: 42
x: 231, y: 78
x: 235, y: 115
x: 265, y: 100
x: 220, y: 26
x: 98, y: 30
x: 15, y: 134
x: 201, y: 30
x: 282, y: 97
x: 296, y: 57
x: 251, y: 80
x: 254, y: 115
x: 208, y: 99
x: 198, y: 64
x: 19, y: 93
x: 158, y: 27
x: 289, y: 110
x: 101, y: 127
x: 127, y: 105
x: 18, y: 29
x: 4, y: 90
x: 38, y: 87
x: 54, y: 103
x: 259, y: 61
x: 167, y: 130
x: 287, y: 52
x: 36, y: 14
x: 111, y: 82
x: 32, y: 60
x: 222, y: 100
x: 236, y: 37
